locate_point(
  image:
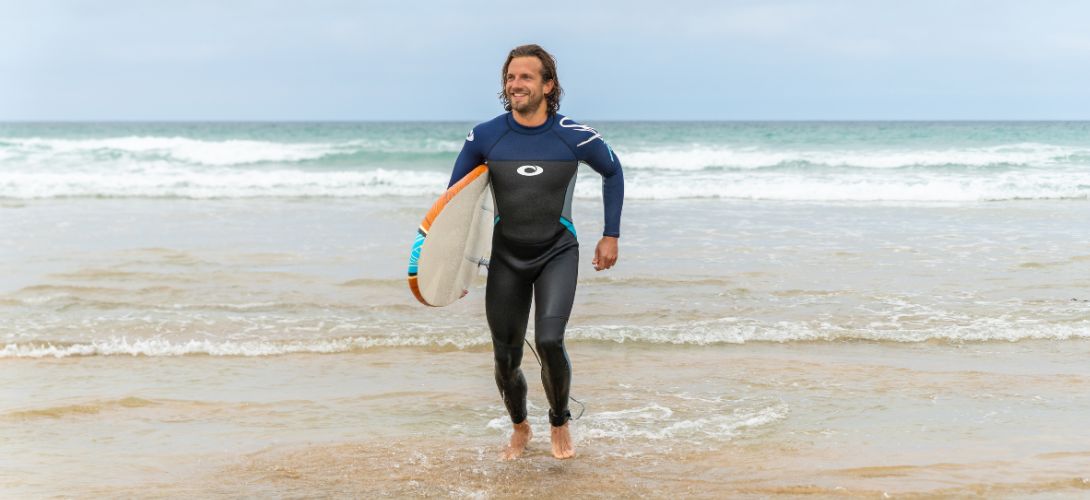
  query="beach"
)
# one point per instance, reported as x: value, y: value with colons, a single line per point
x: 822, y: 309
x: 849, y: 418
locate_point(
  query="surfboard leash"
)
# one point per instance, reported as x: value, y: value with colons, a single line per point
x: 582, y: 407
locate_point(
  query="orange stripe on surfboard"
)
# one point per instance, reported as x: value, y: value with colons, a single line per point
x: 416, y: 290
x: 450, y: 193
x: 433, y: 212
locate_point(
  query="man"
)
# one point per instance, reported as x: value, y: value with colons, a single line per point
x: 532, y: 155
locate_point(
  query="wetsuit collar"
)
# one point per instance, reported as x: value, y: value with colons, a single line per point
x: 530, y: 130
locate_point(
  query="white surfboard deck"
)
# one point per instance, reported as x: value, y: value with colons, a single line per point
x: 454, y: 241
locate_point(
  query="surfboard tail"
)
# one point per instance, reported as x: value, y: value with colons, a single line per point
x: 415, y: 288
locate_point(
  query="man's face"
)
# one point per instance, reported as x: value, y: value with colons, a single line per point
x: 525, y: 88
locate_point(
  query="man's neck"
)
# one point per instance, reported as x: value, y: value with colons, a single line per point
x: 535, y: 119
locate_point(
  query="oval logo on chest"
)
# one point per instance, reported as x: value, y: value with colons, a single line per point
x: 530, y: 170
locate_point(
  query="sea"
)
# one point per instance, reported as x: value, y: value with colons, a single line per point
x: 801, y: 308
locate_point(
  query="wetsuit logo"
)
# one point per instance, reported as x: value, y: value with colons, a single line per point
x: 530, y: 170
x: 568, y: 123
x: 470, y: 136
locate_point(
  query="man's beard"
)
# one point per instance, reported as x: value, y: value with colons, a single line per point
x: 529, y: 106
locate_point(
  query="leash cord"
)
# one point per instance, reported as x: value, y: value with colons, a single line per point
x: 582, y: 407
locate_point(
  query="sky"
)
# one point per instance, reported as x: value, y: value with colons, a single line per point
x: 631, y: 60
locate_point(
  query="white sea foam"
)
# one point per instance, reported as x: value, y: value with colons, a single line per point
x: 180, y: 149
x: 46, y: 152
x: 866, y: 186
x: 711, y: 332
x: 654, y: 421
x: 160, y: 180
x: 651, y: 422
x: 148, y: 166
x: 738, y: 331
x: 157, y: 347
x: 233, y: 152
x: 700, y: 157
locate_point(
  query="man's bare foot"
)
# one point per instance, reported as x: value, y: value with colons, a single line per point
x: 519, y: 439
x: 562, y: 445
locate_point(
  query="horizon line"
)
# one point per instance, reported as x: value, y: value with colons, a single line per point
x: 472, y: 120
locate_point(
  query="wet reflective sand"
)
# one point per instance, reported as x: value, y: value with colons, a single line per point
x: 828, y: 418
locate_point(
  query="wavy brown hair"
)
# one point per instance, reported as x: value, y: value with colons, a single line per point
x: 548, y: 72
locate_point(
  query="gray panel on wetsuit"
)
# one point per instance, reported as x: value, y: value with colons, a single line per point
x: 569, y: 195
x: 531, y: 196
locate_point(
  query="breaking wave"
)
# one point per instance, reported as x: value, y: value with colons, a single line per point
x: 722, y: 331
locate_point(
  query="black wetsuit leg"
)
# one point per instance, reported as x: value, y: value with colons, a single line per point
x: 548, y: 272
x: 507, y: 306
x: 554, y: 293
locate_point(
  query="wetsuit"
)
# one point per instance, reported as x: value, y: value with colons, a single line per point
x: 535, y: 255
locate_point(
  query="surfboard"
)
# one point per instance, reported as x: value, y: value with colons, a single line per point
x: 453, y: 241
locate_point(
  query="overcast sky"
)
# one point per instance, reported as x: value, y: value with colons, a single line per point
x: 657, y: 60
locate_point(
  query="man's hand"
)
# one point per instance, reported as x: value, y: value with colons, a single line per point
x: 605, y: 254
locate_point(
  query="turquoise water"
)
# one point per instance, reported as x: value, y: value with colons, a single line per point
x: 258, y: 238
x: 836, y: 161
x: 770, y: 134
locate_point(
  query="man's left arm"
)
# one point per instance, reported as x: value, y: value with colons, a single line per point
x: 601, y: 158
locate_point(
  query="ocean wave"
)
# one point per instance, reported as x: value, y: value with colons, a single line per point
x: 174, y: 182
x: 180, y: 149
x: 850, y: 187
x: 723, y: 331
x: 738, y: 331
x: 45, y: 152
x: 157, y: 347
x: 702, y: 157
x: 216, y: 153
x: 180, y: 167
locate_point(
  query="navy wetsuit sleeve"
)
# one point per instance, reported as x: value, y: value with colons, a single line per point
x: 601, y: 158
x: 468, y: 159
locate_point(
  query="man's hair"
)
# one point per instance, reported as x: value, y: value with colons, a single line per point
x: 548, y: 72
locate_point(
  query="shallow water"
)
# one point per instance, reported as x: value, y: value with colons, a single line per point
x: 195, y: 311
x: 840, y: 417
x: 246, y: 277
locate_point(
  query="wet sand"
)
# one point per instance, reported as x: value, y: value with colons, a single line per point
x: 840, y: 418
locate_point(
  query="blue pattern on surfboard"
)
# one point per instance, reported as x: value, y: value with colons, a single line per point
x: 414, y: 254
